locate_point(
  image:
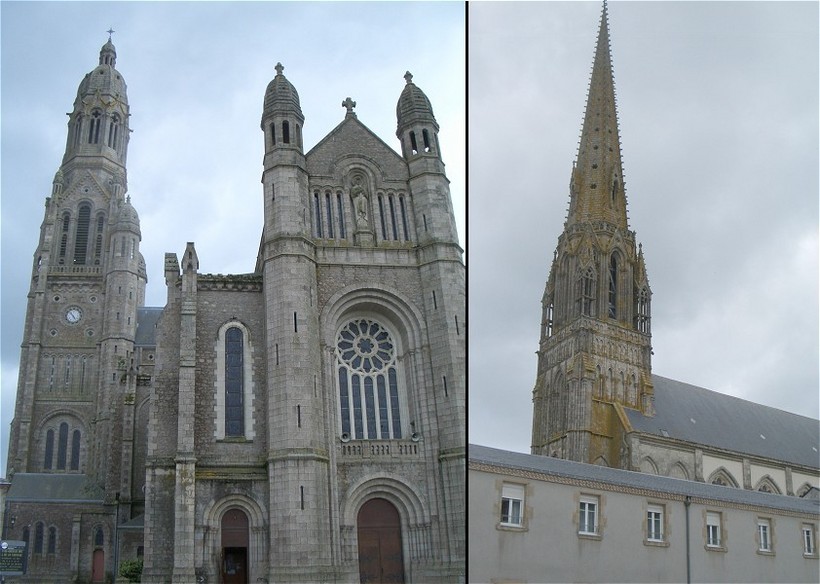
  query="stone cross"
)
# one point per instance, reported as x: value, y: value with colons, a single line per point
x: 408, y: 77
x: 110, y: 31
x: 349, y: 104
x: 279, y: 68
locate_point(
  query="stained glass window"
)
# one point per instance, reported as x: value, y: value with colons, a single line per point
x: 369, y: 404
x: 234, y: 409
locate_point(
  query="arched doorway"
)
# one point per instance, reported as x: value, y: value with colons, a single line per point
x: 234, y: 547
x: 379, y: 531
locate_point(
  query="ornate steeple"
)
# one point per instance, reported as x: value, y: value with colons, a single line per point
x: 597, y: 185
x: 594, y: 357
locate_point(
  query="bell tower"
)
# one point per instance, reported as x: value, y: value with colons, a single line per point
x: 594, y: 357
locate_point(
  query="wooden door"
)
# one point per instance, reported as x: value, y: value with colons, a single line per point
x: 98, y: 566
x: 379, y: 532
x: 235, y: 547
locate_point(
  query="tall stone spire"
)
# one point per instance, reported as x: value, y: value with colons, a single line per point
x: 594, y: 358
x: 597, y: 186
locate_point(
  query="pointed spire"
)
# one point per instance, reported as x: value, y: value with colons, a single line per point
x: 597, y: 185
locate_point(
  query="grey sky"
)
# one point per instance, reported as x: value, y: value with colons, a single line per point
x: 196, y: 75
x: 718, y: 113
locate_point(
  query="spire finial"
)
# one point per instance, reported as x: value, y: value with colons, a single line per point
x: 110, y: 31
x: 349, y: 104
x: 408, y: 77
x: 279, y: 68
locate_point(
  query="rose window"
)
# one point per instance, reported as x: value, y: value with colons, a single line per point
x: 369, y: 404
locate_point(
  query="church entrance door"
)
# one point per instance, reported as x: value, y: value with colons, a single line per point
x: 379, y: 531
x: 235, y: 547
x: 98, y: 566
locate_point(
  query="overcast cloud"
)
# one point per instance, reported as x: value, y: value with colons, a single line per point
x: 718, y: 112
x: 196, y: 75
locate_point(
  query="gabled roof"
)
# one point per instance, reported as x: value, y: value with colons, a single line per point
x: 504, y: 459
x: 147, y: 318
x: 353, y: 138
x: 54, y: 488
x: 701, y: 416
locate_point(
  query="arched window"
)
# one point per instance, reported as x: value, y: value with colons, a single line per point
x: 370, y: 400
x: 99, y: 537
x: 586, y: 293
x: 234, y: 410
x: 391, y: 203
x: 78, y: 128
x: 404, y: 218
x: 317, y: 212
x: 381, y: 217
x: 39, y: 534
x: 329, y: 207
x: 62, y: 446
x: 75, y: 450
x: 642, y: 315
x: 94, y: 127
x: 49, y: 454
x: 613, y: 286
x: 286, y: 132
x: 81, y: 234
x: 113, y: 131
x: 273, y: 133
x: 414, y: 148
x: 234, y: 383
x: 426, y: 137
x: 341, y: 215
x: 64, y: 236
x: 52, y: 540
x: 99, y: 238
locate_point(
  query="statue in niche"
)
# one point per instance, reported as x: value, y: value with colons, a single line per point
x: 357, y: 192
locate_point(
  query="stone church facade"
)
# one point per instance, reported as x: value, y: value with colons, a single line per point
x: 301, y: 423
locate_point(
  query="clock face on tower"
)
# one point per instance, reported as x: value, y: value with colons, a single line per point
x: 73, y: 315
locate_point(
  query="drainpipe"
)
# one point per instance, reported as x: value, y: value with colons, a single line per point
x: 686, y: 502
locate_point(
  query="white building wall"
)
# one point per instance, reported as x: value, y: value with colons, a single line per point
x: 548, y: 548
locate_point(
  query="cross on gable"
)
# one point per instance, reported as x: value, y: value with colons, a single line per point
x: 349, y: 104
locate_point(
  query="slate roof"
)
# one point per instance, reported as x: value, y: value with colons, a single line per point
x: 624, y: 478
x: 729, y: 423
x: 147, y: 318
x: 54, y: 488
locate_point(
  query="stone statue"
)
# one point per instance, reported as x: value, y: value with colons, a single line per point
x: 360, y: 203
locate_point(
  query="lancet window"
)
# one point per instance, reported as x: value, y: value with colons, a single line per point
x: 586, y: 292
x: 613, y: 286
x: 642, y: 315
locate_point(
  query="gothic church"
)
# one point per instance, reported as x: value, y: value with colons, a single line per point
x: 301, y: 423
x: 596, y: 399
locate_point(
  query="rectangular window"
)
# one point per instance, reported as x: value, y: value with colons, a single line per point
x: 808, y: 540
x: 712, y: 529
x: 764, y: 538
x: 588, y: 515
x: 654, y: 523
x: 512, y: 505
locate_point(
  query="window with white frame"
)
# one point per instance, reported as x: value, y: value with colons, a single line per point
x: 808, y: 540
x: 654, y: 523
x: 588, y: 515
x: 764, y: 535
x: 512, y: 505
x: 713, y: 529
x: 233, y: 388
x: 371, y: 396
